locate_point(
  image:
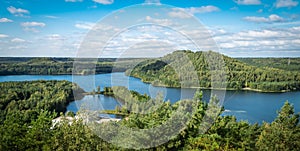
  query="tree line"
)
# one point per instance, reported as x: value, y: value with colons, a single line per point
x: 62, y: 66
x: 288, y: 64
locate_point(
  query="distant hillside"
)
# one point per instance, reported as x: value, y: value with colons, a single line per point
x: 160, y: 72
x: 59, y: 66
x: 289, y: 64
x: 26, y: 59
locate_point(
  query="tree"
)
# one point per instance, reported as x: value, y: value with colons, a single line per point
x: 70, y: 114
x: 282, y: 133
x: 12, y: 132
x: 198, y: 95
x: 39, y: 134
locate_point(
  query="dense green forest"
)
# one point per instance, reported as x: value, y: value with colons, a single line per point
x: 29, y: 108
x: 58, y: 66
x: 30, y: 65
x: 288, y: 64
x: 239, y: 75
x: 29, y: 98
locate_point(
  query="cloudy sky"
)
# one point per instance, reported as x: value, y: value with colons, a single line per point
x: 240, y: 28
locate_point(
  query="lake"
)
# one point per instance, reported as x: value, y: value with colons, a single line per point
x: 245, y: 105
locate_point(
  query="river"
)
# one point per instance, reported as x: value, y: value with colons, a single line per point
x: 245, y: 105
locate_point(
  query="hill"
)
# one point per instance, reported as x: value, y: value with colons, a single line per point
x: 239, y: 75
x: 62, y: 66
x: 288, y: 64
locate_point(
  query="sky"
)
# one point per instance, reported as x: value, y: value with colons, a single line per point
x: 72, y: 28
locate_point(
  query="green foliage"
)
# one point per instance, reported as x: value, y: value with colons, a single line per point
x: 134, y: 102
x: 58, y: 66
x: 39, y: 131
x: 282, y: 133
x: 12, y: 132
x: 29, y: 97
x: 161, y: 72
x: 75, y: 136
x: 70, y: 114
x: 288, y: 64
x: 108, y: 91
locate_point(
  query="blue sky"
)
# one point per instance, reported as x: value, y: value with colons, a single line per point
x: 240, y: 28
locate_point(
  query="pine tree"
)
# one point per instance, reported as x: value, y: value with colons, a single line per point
x: 282, y: 133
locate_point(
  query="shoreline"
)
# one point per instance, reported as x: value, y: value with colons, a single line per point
x: 205, y: 88
x: 226, y: 89
x: 61, y: 74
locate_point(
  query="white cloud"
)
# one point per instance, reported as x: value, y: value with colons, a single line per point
x: 52, y: 17
x: 141, y: 41
x: 17, y: 47
x: 286, y: 3
x: 73, y: 1
x: 256, y: 19
x: 202, y: 9
x: 18, y: 40
x: 181, y: 12
x: 33, y: 24
x: 217, y: 31
x: 55, y: 37
x: 55, y: 44
x: 248, y: 2
x: 94, y: 6
x: 3, y: 36
x: 164, y: 22
x: 270, y: 19
x: 260, y: 10
x: 17, y: 11
x: 275, y: 18
x: 104, y: 2
x: 5, y: 20
x: 253, y: 34
x: 30, y: 29
x: 152, y: 1
x: 85, y: 25
x: 264, y: 42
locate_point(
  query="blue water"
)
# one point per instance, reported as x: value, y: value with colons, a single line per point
x: 245, y: 105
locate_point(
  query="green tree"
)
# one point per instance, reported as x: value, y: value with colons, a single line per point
x: 39, y: 135
x: 12, y: 132
x: 282, y: 133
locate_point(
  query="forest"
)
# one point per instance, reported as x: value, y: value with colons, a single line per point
x: 63, y: 66
x: 28, y: 98
x: 28, y: 108
x: 171, y: 71
x: 288, y: 64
